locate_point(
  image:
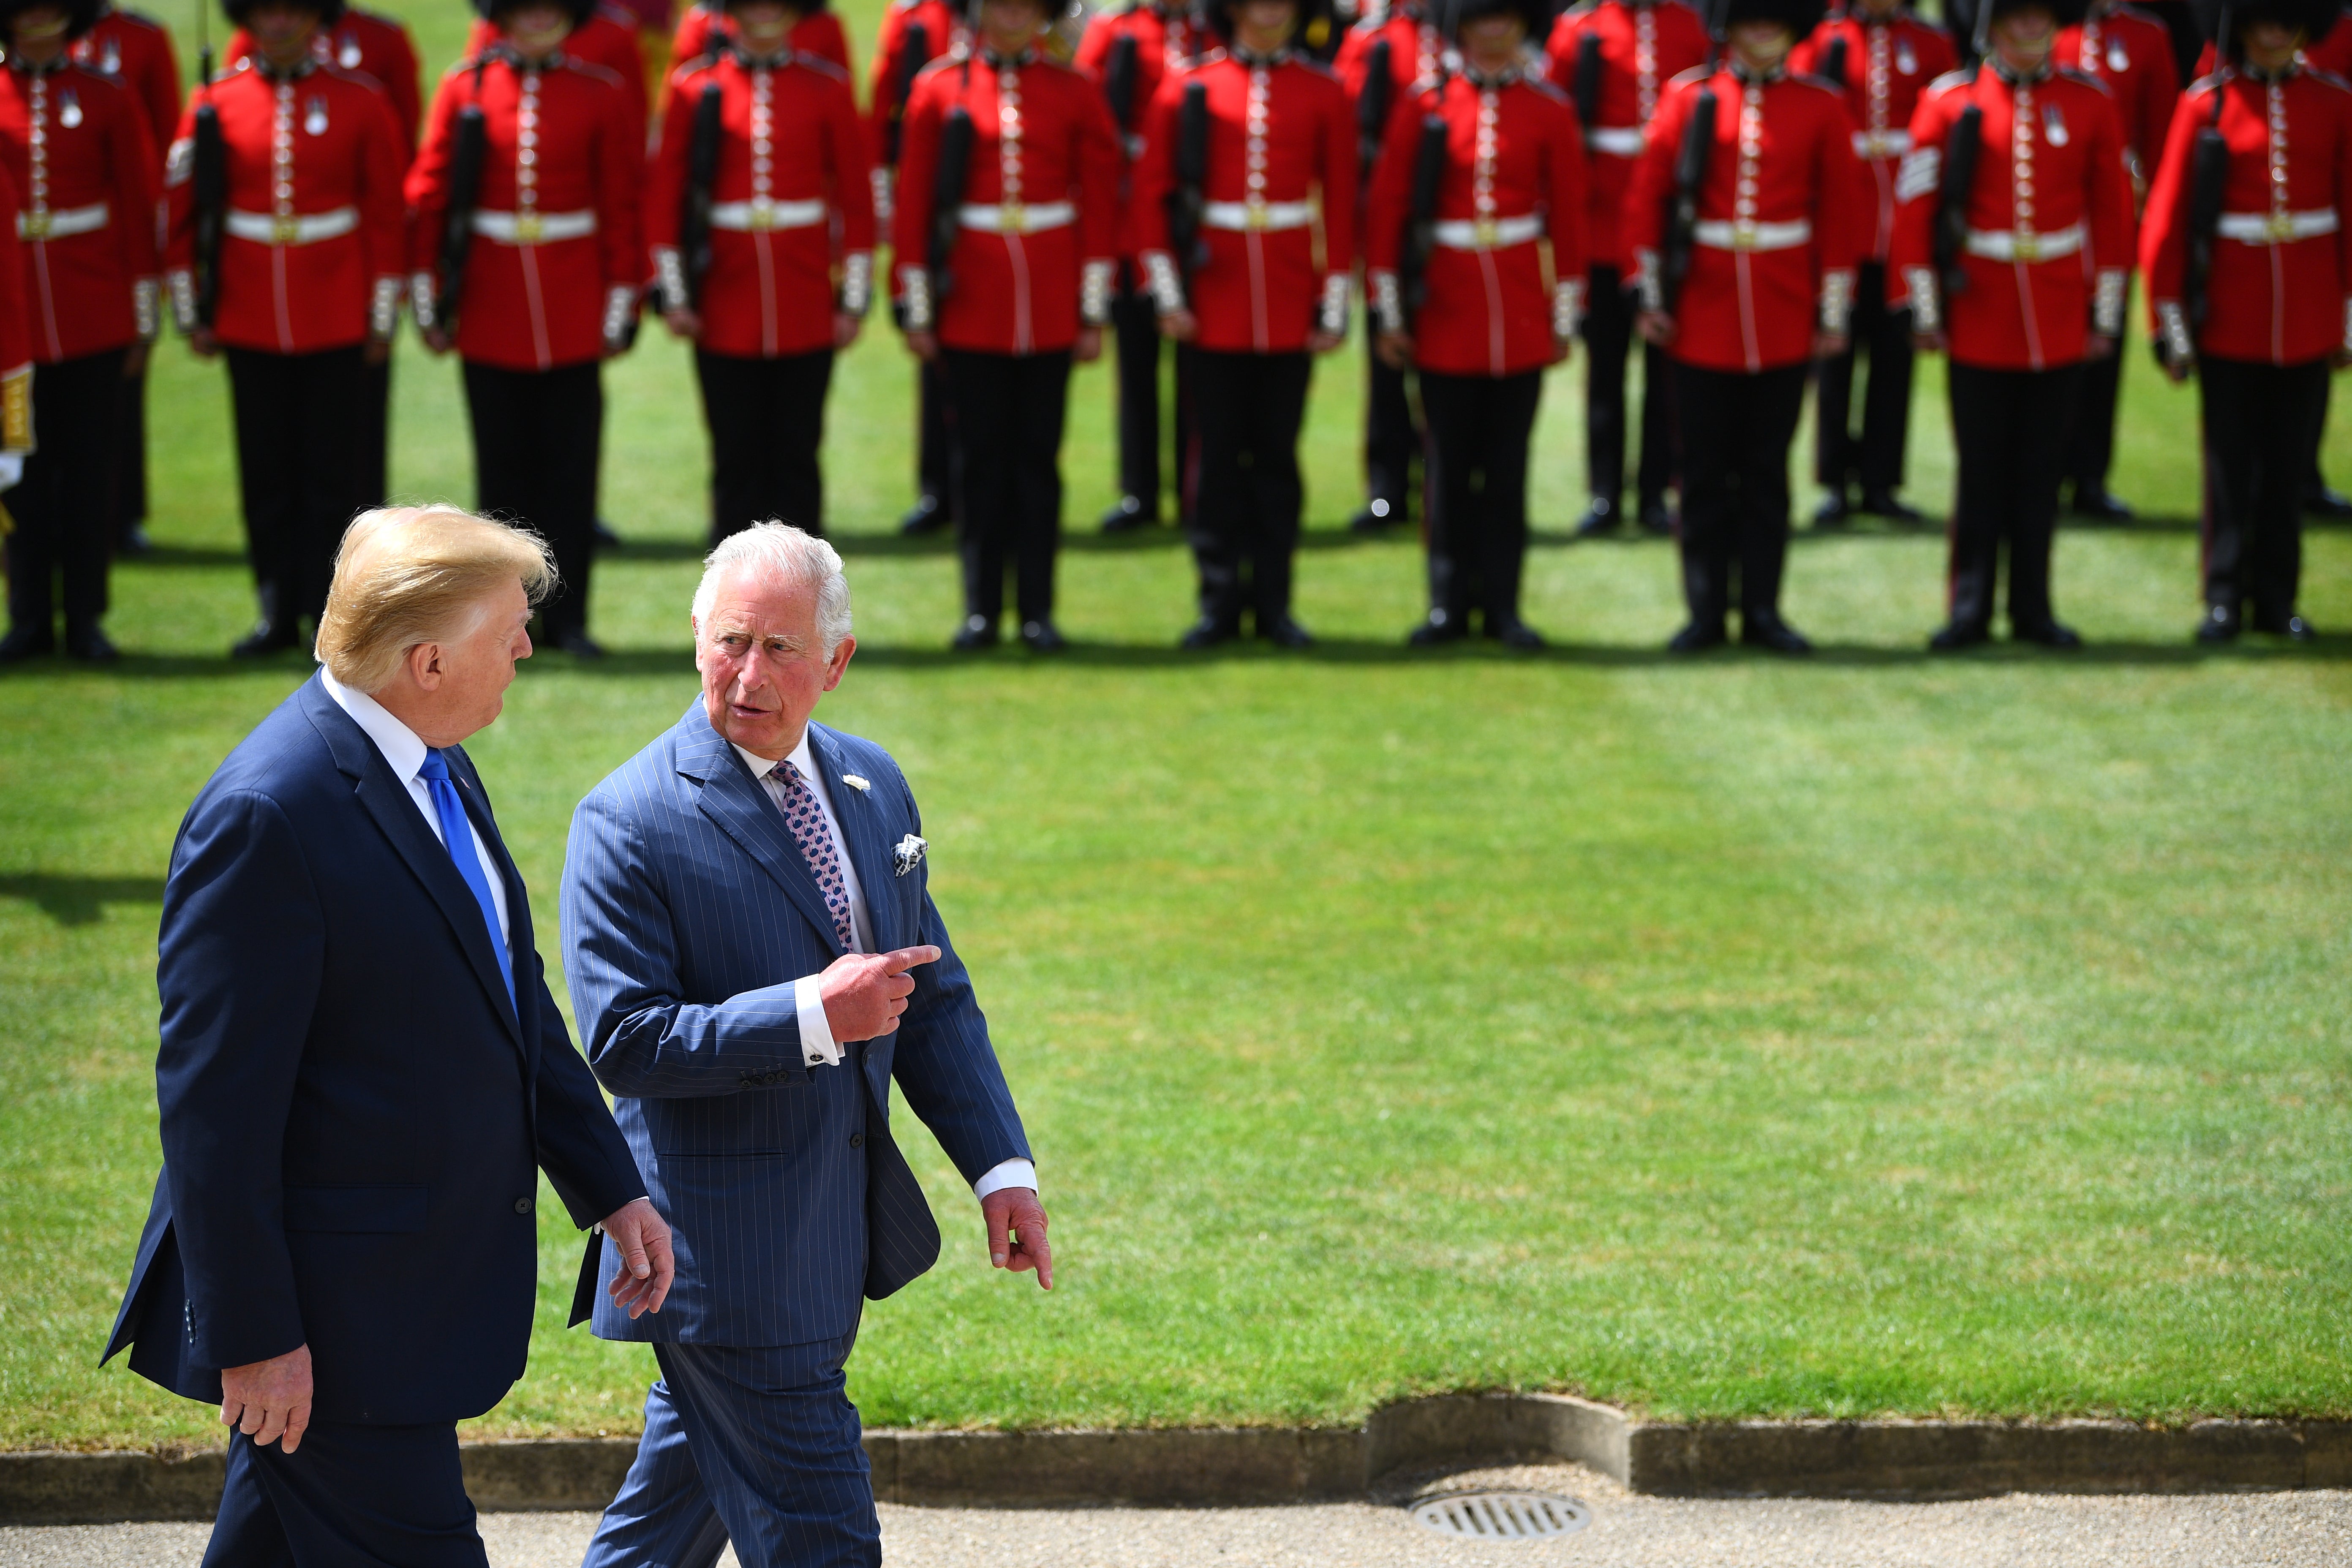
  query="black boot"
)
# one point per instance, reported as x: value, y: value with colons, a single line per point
x: 1128, y: 514
x: 928, y: 515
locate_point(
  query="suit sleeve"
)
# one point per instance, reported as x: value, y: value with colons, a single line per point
x: 1099, y: 162
x: 1845, y: 238
x: 853, y: 190
x: 135, y: 168
x: 239, y: 968
x: 1154, y: 177
x: 1341, y: 224
x: 401, y: 77
x: 2164, y: 231
x: 2110, y: 211
x: 383, y: 215
x: 622, y: 958
x: 586, y: 1160
x: 1644, y: 217
x: 427, y: 186
x: 1390, y: 208
x: 889, y: 47
x: 1564, y: 214
x: 664, y: 187
x: 159, y: 88
x: 1559, y: 52
x: 619, y: 228
x: 2159, y: 96
x: 1919, y: 186
x: 15, y: 333
x: 918, y: 159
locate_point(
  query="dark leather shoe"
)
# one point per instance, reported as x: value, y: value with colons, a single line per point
x: 1439, y: 627
x: 2294, y: 626
x: 2055, y: 635
x: 1380, y: 515
x: 1516, y: 633
x: 2319, y: 500
x: 1285, y: 631
x: 27, y: 642
x: 928, y: 515
x: 1886, y: 504
x: 2102, y: 506
x: 580, y: 644
x: 976, y: 633
x: 1128, y: 514
x: 1833, y: 513
x: 603, y: 536
x: 1696, y: 639
x: 1599, y: 518
x: 1772, y: 631
x: 268, y: 637
x: 90, y: 646
x: 2220, y: 624
x: 1952, y: 638
x: 1654, y: 517
x: 1041, y: 637
x: 1206, y: 633
x: 135, y: 542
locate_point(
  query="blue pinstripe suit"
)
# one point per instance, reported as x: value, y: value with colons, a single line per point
x: 689, y: 910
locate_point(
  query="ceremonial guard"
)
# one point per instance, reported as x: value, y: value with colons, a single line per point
x: 1613, y: 59
x: 1005, y: 240
x: 818, y: 33
x: 1225, y: 226
x: 78, y: 153
x: 2131, y: 53
x: 744, y: 254
x: 1459, y: 273
x: 1746, y: 283
x: 1132, y: 50
x: 1882, y: 56
x: 1396, y: 47
x: 534, y: 283
x: 913, y: 34
x: 2011, y: 241
x: 135, y: 47
x: 2256, y: 302
x: 606, y: 36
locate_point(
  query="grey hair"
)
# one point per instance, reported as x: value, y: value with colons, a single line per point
x: 787, y: 555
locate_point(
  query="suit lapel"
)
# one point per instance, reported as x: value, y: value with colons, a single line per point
x: 862, y: 829
x: 732, y: 799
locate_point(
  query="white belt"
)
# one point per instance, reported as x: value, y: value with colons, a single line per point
x: 1881, y: 144
x: 59, y: 222
x: 1015, y: 217
x: 1617, y: 141
x: 305, y: 229
x: 2003, y: 245
x: 765, y: 213
x: 1716, y: 234
x: 1485, y: 233
x: 2276, y: 228
x: 1243, y: 217
x: 533, y: 227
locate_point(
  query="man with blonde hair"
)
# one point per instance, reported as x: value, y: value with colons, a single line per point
x: 361, y: 1073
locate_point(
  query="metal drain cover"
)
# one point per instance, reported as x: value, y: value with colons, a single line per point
x: 1501, y: 1516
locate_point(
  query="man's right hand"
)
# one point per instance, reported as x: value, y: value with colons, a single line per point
x: 864, y: 992
x: 270, y: 1400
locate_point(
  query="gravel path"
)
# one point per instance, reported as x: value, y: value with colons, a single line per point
x: 2266, y: 1529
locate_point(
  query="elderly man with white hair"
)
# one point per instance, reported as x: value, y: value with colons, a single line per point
x: 753, y: 955
x: 362, y: 1074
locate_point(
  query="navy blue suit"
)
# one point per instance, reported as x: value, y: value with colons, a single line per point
x: 688, y: 911
x: 352, y: 1109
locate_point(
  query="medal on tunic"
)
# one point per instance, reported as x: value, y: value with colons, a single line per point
x: 1906, y: 60
x: 2053, y: 126
x: 349, y: 56
x: 314, y: 118
x: 2116, y: 59
x: 69, y: 108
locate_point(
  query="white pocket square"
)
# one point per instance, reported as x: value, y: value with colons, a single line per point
x: 908, y: 854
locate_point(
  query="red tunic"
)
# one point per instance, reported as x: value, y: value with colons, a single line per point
x: 1783, y: 223
x: 770, y: 289
x: 1039, y: 222
x: 2049, y: 220
x: 1278, y: 135
x: 2279, y: 290
x: 1642, y: 48
x: 2332, y: 54
x: 87, y: 199
x: 1164, y: 42
x: 2131, y: 53
x: 311, y: 256
x: 1496, y: 303
x: 818, y: 33
x: 15, y: 332
x: 371, y: 44
x: 138, y: 48
x: 608, y: 39
x: 567, y: 295
x: 1414, y: 50
x: 1888, y: 64
x: 942, y: 29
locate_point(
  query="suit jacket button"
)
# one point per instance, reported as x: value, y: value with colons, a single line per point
x: 522, y: 1206
x: 856, y: 1140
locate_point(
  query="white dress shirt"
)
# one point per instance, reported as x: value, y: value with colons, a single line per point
x: 401, y: 747
x: 817, y: 1045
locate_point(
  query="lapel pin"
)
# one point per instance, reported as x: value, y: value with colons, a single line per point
x: 853, y: 782
x: 908, y: 854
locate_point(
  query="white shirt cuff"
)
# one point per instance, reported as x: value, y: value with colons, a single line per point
x: 1011, y: 1174
x: 817, y: 1048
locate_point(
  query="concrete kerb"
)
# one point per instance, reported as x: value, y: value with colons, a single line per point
x: 1256, y: 1465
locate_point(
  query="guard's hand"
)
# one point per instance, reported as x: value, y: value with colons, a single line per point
x: 864, y: 992
x: 923, y: 343
x: 1322, y: 343
x: 204, y: 343
x: 647, y: 1268
x: 1830, y: 345
x: 1931, y: 342
x: 269, y: 1401
x: 1088, y: 348
x: 2180, y: 367
x: 1395, y: 349
x: 2099, y: 345
x: 375, y: 350
x: 134, y: 359
x: 846, y: 328
x: 1560, y: 349
x: 1017, y: 1233
x: 1179, y: 326
x: 1655, y: 327
x: 683, y: 322
x: 438, y: 340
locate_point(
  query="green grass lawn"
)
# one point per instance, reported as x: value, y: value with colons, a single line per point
x: 1726, y: 1037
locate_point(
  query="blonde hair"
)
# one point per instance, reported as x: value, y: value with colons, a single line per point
x: 411, y: 575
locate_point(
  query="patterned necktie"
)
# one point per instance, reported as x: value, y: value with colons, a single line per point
x: 458, y: 837
x: 806, y: 819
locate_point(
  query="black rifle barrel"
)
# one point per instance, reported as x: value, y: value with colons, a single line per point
x: 1185, y: 199
x: 947, y: 195
x: 1584, y: 87
x: 1691, y: 161
x: 914, y: 54
x: 1961, y: 153
x: 701, y: 176
x: 1833, y: 61
x: 1118, y: 83
x: 209, y: 179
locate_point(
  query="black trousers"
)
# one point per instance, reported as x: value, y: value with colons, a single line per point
x: 1607, y: 344
x: 298, y: 418
x: 1736, y: 428
x: 131, y: 457
x: 1009, y: 410
x: 349, y: 1494
x: 1135, y: 330
x: 2008, y: 432
x: 64, y: 507
x: 1875, y: 458
x: 535, y: 436
x: 766, y: 418
x: 2091, y: 439
x: 1476, y: 492
x: 933, y: 475
x: 1244, y: 525
x: 1391, y: 435
x: 375, y: 433
x: 2261, y: 423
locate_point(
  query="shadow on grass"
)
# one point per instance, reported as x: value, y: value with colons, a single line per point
x: 80, y: 901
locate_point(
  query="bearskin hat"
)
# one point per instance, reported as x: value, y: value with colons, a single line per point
x: 490, y: 10
x: 81, y: 16
x: 2313, y: 17
x: 805, y: 7
x: 1964, y: 18
x: 330, y: 12
x: 1799, y: 16
x: 1535, y: 13
x: 1315, y: 23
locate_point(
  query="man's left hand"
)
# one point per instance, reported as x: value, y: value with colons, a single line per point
x: 646, y: 1267
x: 1017, y: 1233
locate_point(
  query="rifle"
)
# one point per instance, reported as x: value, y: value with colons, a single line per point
x: 1961, y: 153
x: 1372, y: 111
x: 1833, y: 61
x: 1118, y: 83
x: 914, y: 54
x: 947, y: 189
x: 701, y: 176
x: 2208, y: 171
x: 466, y: 150
x: 1185, y: 200
x: 1691, y: 160
x: 1585, y: 87
x: 209, y: 178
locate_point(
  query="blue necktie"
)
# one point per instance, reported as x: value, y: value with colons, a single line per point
x: 457, y: 835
